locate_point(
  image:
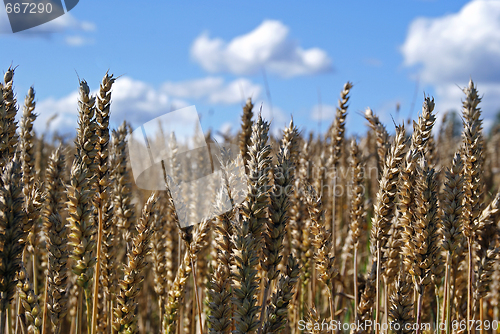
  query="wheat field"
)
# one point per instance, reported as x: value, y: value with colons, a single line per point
x: 377, y: 233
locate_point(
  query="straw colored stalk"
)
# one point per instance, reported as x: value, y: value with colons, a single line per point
x: 254, y: 207
x: 130, y: 285
x: 358, y: 221
x: 421, y: 238
x: 384, y: 207
x: 219, y: 293
x: 177, y: 290
x: 383, y: 144
x: 474, y: 179
x: 336, y: 145
x: 82, y: 229
x: 323, y: 244
x: 101, y: 199
x: 278, y: 218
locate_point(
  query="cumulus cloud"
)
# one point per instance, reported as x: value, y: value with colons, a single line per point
x: 268, y: 45
x: 213, y: 90
x: 138, y: 102
x: 450, y: 49
x: 132, y: 100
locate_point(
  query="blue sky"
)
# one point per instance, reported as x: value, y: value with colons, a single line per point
x: 215, y: 54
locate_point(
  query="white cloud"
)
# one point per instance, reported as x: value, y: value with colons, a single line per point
x: 138, y: 102
x: 267, y: 46
x: 132, y: 100
x: 452, y: 48
x: 213, y: 90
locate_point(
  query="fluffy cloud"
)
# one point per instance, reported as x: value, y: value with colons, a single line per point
x: 213, y: 90
x: 267, y: 46
x: 452, y: 48
x: 132, y: 100
x: 138, y: 102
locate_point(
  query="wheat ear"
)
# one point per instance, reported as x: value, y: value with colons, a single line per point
x: 473, y: 178
x: 384, y: 206
x: 176, y: 292
x: 130, y: 285
x: 82, y: 229
x: 12, y: 217
x: 11, y: 111
x: 101, y: 199
x: 358, y: 220
x: 246, y: 130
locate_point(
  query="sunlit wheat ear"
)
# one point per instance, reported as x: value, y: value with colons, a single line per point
x: 10, y: 102
x: 124, y: 209
x: 338, y: 127
x: 473, y: 159
x: 384, y: 207
x: 473, y: 179
x: 246, y: 130
x: 159, y: 249
x: 130, y: 285
x: 102, y: 200
x: 424, y: 238
x: 406, y: 201
x: 86, y: 137
x: 12, y: 217
x: 452, y: 206
x: 324, y: 258
x: 324, y: 248
x: 358, y: 224
x: 278, y: 218
x: 253, y: 208
x: 422, y: 130
x: 81, y: 223
x: 383, y: 143
x: 452, y: 237
x: 291, y: 138
x: 26, y: 142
